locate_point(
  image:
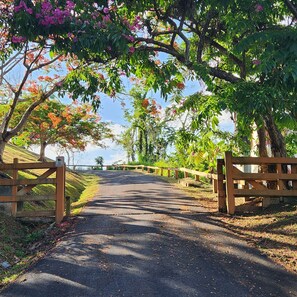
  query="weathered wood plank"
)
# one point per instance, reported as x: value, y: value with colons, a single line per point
x: 222, y: 207
x: 195, y: 172
x: 267, y: 192
x: 263, y: 160
x: 28, y: 188
x: 28, y: 198
x: 60, y: 194
x: 238, y: 175
x: 229, y: 183
x: 37, y: 181
x: 37, y: 213
x: 21, y: 166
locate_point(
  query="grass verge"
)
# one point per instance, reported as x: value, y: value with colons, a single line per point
x: 90, y: 191
x: 24, y: 242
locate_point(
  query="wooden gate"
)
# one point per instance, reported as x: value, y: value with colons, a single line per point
x: 255, y: 184
x: 45, y: 173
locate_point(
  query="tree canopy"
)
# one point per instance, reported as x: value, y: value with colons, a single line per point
x: 244, y: 51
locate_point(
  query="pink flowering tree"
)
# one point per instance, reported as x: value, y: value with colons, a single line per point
x: 55, y: 49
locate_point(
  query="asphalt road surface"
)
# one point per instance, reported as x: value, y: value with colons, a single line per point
x: 142, y: 237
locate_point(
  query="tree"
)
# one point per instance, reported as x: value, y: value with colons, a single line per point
x: 198, y: 140
x: 148, y: 135
x: 225, y: 43
x: 99, y: 161
x: 54, y: 35
x: 68, y: 126
x: 235, y: 46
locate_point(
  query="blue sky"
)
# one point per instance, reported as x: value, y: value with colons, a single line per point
x: 111, y: 110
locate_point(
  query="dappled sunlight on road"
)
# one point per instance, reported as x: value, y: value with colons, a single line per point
x: 149, y: 239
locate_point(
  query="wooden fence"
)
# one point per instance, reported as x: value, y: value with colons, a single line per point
x: 283, y: 178
x: 20, y: 188
x: 174, y: 172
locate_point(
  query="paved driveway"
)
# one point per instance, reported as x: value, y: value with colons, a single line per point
x: 142, y: 237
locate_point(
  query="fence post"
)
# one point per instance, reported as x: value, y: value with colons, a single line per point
x: 168, y: 172
x: 222, y: 207
x: 60, y: 189
x: 161, y: 171
x: 176, y: 173
x: 229, y: 183
x: 14, y: 188
x: 197, y: 177
x: 214, y: 185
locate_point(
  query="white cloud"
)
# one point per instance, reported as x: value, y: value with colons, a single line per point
x: 225, y: 122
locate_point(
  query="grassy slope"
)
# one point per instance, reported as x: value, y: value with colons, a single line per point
x: 16, y: 238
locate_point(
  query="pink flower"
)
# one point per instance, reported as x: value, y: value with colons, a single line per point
x: 70, y: 5
x: 131, y: 49
x: 46, y: 6
x: 129, y: 37
x: 106, y: 10
x: 106, y: 18
x: 18, y: 39
x: 256, y: 62
x: 258, y: 7
x: 23, y: 6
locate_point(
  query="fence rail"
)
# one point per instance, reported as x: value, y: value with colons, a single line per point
x: 163, y: 171
x: 19, y: 188
x: 281, y: 182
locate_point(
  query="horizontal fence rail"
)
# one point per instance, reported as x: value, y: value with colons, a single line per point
x: 163, y: 171
x: 17, y: 189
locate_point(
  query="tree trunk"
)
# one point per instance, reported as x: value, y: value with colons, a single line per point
x: 2, y: 147
x: 43, y: 145
x: 278, y: 146
x: 262, y: 148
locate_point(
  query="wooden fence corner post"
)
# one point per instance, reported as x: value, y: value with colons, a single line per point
x: 229, y: 183
x: 14, y: 188
x: 60, y: 189
x: 222, y: 207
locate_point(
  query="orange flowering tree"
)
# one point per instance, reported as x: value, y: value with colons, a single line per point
x: 69, y: 127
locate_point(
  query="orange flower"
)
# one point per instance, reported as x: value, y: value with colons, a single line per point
x: 145, y: 103
x: 55, y: 120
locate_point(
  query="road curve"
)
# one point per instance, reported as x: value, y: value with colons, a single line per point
x: 140, y: 236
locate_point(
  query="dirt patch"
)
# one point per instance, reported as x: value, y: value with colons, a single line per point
x: 23, y: 243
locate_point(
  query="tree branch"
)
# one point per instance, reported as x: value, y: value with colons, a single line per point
x: 29, y: 110
x: 292, y: 7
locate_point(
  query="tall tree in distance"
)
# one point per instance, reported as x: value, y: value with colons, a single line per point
x: 148, y: 135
